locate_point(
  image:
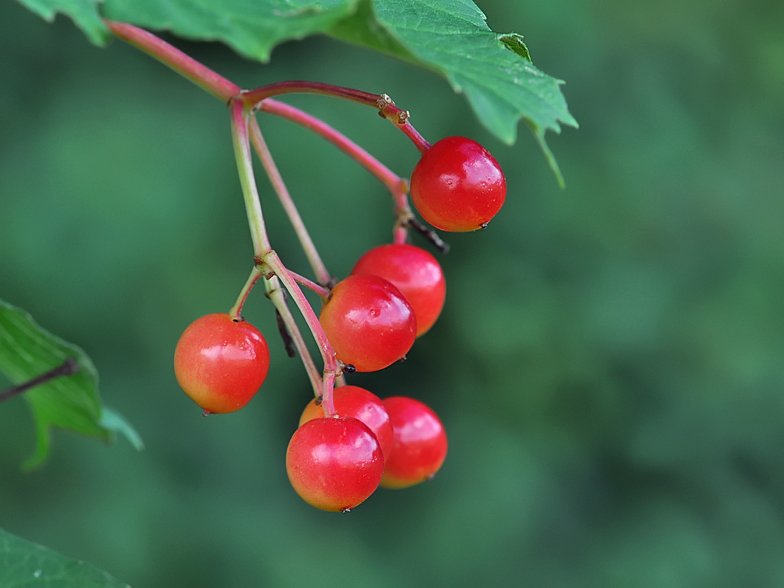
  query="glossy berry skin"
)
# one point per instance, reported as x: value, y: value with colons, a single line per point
x: 420, y: 443
x: 457, y: 185
x: 334, y: 463
x: 361, y: 404
x: 221, y: 363
x: 368, y: 322
x: 414, y: 272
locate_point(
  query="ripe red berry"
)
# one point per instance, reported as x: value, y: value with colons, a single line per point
x: 334, y: 463
x: 221, y: 363
x: 361, y: 404
x: 420, y: 443
x: 414, y: 272
x: 457, y: 185
x: 368, y: 322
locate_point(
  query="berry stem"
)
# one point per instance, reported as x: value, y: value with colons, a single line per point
x: 236, y: 311
x: 239, y: 133
x: 391, y: 180
x: 264, y: 255
x: 327, y: 395
x: 252, y: 98
x: 311, y: 285
x: 186, y: 66
x: 225, y: 90
x: 322, y: 275
x: 397, y: 186
x: 271, y: 260
x: 386, y: 107
x: 278, y: 297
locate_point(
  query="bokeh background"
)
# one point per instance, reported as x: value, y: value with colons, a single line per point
x: 608, y: 365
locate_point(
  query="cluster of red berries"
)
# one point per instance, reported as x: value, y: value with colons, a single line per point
x: 371, y: 319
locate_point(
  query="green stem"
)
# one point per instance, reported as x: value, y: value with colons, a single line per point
x: 278, y: 297
x: 236, y: 310
x: 331, y: 368
x: 239, y: 133
x: 396, y: 185
x: 322, y: 275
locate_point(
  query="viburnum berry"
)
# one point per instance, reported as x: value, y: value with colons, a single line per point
x: 414, y: 272
x: 457, y: 185
x: 368, y: 322
x: 221, y: 362
x: 334, y: 463
x: 361, y: 404
x: 420, y: 443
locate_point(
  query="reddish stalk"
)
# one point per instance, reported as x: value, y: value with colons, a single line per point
x: 278, y: 297
x: 311, y: 285
x: 273, y: 262
x: 184, y: 65
x: 236, y: 311
x: 322, y: 275
x: 386, y: 107
x: 391, y: 180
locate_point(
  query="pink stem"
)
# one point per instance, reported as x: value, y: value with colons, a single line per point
x: 273, y: 262
x: 311, y: 285
x: 236, y: 310
x: 397, y: 186
x: 277, y: 295
x: 322, y: 275
x: 186, y: 66
x: 386, y: 108
x: 387, y: 177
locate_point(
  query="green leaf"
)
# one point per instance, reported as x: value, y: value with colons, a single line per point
x: 70, y: 402
x: 27, y: 565
x: 450, y: 37
x: 493, y: 70
x: 83, y: 12
x: 112, y: 420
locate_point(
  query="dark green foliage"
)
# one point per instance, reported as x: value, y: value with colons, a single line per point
x: 608, y: 364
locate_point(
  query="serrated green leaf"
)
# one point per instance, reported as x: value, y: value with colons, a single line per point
x: 252, y: 29
x: 494, y: 71
x: 83, y: 12
x: 69, y: 402
x: 450, y: 37
x: 27, y: 565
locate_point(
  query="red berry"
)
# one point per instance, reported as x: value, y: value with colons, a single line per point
x: 221, y: 363
x: 457, y: 185
x: 368, y: 322
x: 358, y: 403
x: 334, y: 463
x: 414, y: 272
x: 420, y: 443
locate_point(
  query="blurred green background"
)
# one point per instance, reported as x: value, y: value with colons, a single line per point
x: 608, y: 365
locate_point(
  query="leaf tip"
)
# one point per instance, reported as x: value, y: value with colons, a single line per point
x: 539, y: 134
